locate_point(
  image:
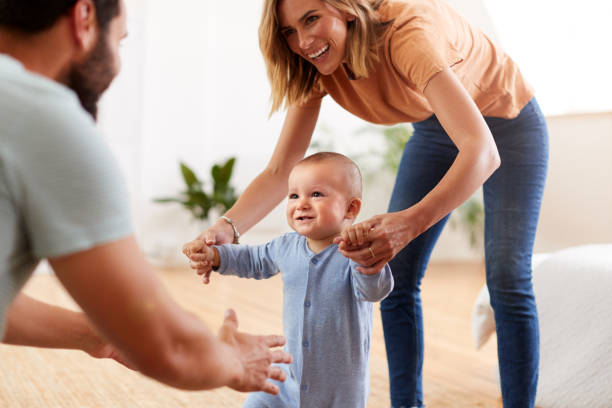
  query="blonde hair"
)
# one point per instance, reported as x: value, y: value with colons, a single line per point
x: 292, y: 77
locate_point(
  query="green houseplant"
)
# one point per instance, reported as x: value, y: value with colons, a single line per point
x: 197, y: 200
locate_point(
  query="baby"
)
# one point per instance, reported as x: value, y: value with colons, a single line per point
x: 327, y: 299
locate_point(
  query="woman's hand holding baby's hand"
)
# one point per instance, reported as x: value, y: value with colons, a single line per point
x: 374, y: 242
x: 356, y: 236
x: 193, y: 247
x: 355, y: 243
x: 202, y: 258
x: 220, y: 233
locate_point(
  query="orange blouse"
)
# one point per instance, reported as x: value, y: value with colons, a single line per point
x: 427, y: 36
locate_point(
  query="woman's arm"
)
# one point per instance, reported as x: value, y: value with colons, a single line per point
x: 270, y: 186
x: 477, y: 159
x: 267, y: 189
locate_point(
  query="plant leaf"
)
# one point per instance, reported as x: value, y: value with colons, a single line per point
x: 189, y: 176
x: 169, y: 200
x: 196, y: 200
x: 222, y: 174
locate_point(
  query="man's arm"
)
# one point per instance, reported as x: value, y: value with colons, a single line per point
x: 30, y: 322
x: 115, y: 286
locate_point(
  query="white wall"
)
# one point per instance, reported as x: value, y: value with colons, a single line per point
x: 194, y: 88
x: 577, y: 207
x: 562, y: 47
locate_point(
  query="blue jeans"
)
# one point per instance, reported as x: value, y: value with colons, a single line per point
x: 512, y: 198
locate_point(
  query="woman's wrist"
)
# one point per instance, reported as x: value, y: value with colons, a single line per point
x: 418, y: 217
x: 222, y: 229
x: 233, y: 226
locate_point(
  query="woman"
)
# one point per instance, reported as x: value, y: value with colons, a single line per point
x: 476, y: 123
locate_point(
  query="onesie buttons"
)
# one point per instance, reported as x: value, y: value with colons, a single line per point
x: 306, y: 343
x: 315, y: 261
x: 307, y: 303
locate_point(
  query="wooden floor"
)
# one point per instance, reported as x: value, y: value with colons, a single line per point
x: 455, y: 375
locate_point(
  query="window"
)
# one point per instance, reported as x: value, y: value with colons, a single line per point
x: 563, y: 48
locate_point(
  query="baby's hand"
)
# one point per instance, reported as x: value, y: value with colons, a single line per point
x: 202, y: 258
x: 355, y: 236
x: 355, y: 242
x: 195, y: 246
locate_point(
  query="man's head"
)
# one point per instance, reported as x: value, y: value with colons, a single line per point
x: 90, y: 29
x: 34, y: 16
x: 324, y: 195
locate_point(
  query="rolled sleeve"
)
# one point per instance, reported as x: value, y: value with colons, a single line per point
x: 418, y: 52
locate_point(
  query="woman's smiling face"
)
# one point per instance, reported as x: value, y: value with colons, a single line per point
x: 316, y: 31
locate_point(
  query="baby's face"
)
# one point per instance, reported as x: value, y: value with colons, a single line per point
x: 318, y: 200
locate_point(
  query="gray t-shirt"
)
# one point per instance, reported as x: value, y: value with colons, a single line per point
x: 61, y: 190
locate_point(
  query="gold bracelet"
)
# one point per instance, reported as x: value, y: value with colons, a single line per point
x: 236, y: 233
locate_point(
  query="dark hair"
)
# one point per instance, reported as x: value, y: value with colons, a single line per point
x: 32, y: 16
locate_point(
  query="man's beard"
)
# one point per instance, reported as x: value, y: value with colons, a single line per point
x: 90, y: 78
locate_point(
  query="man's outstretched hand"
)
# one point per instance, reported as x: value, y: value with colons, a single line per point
x: 254, y: 357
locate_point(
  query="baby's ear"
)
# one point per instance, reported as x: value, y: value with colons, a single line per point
x: 354, y: 206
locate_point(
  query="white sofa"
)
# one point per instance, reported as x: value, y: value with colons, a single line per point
x: 573, y: 289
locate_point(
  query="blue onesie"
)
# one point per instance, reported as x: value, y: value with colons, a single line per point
x: 327, y: 319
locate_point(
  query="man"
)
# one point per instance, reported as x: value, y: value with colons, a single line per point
x: 62, y: 198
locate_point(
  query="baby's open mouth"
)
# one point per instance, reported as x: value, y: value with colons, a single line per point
x: 304, y: 218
